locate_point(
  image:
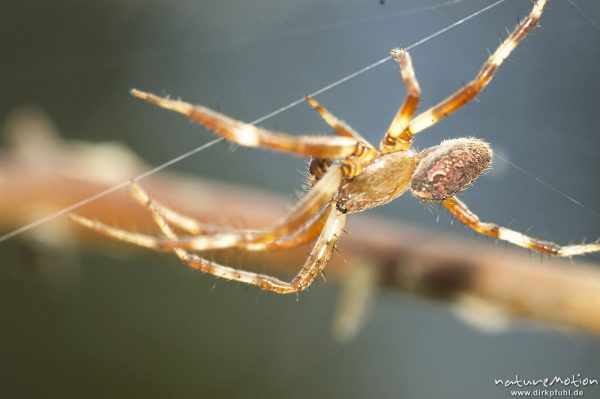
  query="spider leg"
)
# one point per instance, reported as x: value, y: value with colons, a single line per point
x: 471, y: 89
x: 307, y: 208
x: 252, y: 136
x: 291, y: 232
x: 318, y: 258
x: 241, y: 240
x: 460, y: 211
x: 353, y: 164
x: 298, y: 227
x: 394, y: 140
x: 184, y: 222
x: 339, y: 126
x: 175, y: 218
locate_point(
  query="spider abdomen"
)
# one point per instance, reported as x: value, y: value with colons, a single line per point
x: 450, y: 167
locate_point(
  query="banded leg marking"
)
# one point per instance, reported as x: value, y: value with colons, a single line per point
x: 460, y: 211
x: 317, y: 260
x: 252, y: 136
x: 474, y: 87
x: 398, y: 137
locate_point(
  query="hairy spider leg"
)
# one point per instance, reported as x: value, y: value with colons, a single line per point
x: 186, y: 223
x: 282, y: 236
x: 317, y: 260
x: 339, y: 126
x: 245, y: 239
x: 471, y: 89
x: 305, y: 210
x: 252, y: 136
x: 460, y: 211
x: 393, y: 140
x: 355, y: 163
x: 298, y: 227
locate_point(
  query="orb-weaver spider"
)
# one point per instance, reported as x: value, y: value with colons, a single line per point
x: 348, y: 174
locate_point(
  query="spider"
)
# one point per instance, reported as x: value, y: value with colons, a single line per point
x: 348, y: 175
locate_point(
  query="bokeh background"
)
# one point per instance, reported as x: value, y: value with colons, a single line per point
x: 105, y: 323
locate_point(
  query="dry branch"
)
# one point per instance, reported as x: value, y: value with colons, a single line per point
x: 41, y: 174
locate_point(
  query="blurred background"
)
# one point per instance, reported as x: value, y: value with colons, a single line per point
x: 110, y: 323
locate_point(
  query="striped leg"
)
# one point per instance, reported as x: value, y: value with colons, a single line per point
x: 339, y: 126
x: 460, y: 211
x: 314, y: 265
x: 394, y: 140
x: 471, y: 89
x: 352, y: 165
x: 186, y: 223
x: 293, y: 231
x: 252, y: 136
x: 298, y: 227
x: 246, y: 239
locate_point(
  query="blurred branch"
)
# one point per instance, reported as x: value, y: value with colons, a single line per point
x: 40, y: 173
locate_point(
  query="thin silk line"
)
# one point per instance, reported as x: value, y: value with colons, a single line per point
x: 550, y: 186
x: 181, y: 157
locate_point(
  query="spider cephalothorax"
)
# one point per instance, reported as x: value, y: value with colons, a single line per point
x: 348, y: 175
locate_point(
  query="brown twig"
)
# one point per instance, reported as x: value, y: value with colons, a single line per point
x: 42, y: 174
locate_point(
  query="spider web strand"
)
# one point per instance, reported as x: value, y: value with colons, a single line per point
x: 193, y: 151
x: 550, y: 186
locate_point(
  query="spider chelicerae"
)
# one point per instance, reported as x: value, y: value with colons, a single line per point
x: 348, y: 175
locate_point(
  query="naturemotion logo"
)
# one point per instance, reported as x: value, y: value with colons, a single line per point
x: 556, y: 386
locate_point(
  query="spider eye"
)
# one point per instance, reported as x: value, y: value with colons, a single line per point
x: 449, y: 168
